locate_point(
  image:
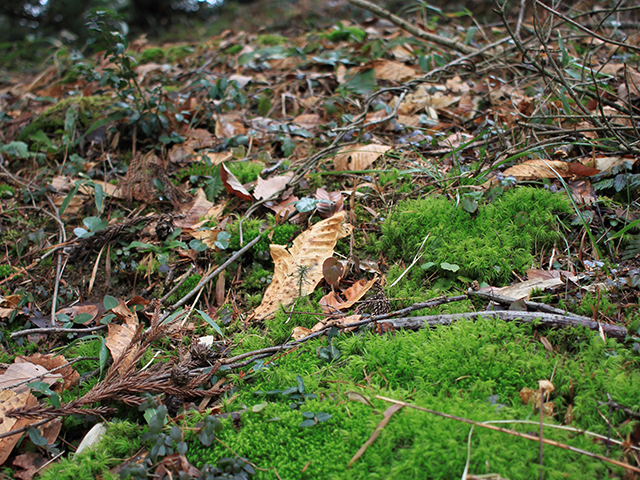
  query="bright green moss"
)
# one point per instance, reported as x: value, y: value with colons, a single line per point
x: 246, y: 172
x: 271, y: 40
x: 473, y: 370
x: 154, y: 54
x: 499, y: 239
x: 120, y: 441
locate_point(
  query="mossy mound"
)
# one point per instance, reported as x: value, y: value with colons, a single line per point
x: 52, y: 119
x: 500, y: 238
x: 472, y: 370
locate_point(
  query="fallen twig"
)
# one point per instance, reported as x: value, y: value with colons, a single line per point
x: 413, y: 30
x: 30, y: 331
x: 548, y: 319
x: 540, y: 307
x: 207, y: 279
x: 388, y: 413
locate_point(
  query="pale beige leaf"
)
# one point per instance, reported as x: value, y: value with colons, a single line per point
x: 118, y: 340
x: 393, y: 71
x: 535, y: 169
x: 232, y: 184
x: 606, y: 164
x: 50, y: 361
x: 197, y: 212
x: 358, y: 157
x: 266, y: 188
x: 300, y: 332
x: 547, y: 385
x: 21, y: 371
x: 229, y: 125
x: 218, y: 158
x: 308, y: 251
x: 308, y: 121
x: 10, y: 400
x: 242, y: 80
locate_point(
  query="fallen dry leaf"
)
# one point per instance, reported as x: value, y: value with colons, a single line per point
x: 119, y: 336
x: 266, y: 188
x: 23, y: 370
x: 284, y: 208
x: 330, y: 302
x: 534, y: 169
x: 308, y: 251
x: 393, y: 71
x: 229, y: 125
x: 10, y: 400
x: 232, y: 185
x: 358, y: 157
x: 51, y: 361
x: 30, y: 462
x: 197, y: 212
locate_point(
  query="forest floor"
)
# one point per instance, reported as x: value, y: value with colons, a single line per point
x: 400, y: 248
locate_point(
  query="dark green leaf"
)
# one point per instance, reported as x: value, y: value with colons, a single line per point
x: 36, y: 438
x: 210, y: 321
x: 110, y: 302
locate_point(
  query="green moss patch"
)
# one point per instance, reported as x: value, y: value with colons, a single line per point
x: 52, y: 119
x: 473, y: 370
x: 121, y: 439
x: 500, y: 238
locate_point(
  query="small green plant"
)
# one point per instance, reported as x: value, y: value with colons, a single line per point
x: 293, y: 394
x: 149, y: 108
x: 5, y: 270
x: 312, y: 419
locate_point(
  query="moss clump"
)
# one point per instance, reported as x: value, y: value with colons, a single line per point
x: 5, y: 270
x: 153, y: 54
x: 170, y: 55
x: 246, y: 172
x: 473, y: 370
x: 52, y: 119
x: 188, y: 285
x: 120, y: 441
x: 271, y: 40
x: 282, y: 235
x: 500, y: 239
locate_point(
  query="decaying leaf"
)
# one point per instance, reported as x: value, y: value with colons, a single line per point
x: 298, y: 271
x: 30, y: 463
x: 394, y: 71
x: 10, y: 400
x: 120, y: 336
x: 229, y: 125
x: 51, y: 361
x: 535, y: 169
x: 358, y: 157
x: 266, y: 188
x: 197, y: 212
x: 332, y: 270
x: 532, y: 397
x: 330, y: 302
x: 232, y: 184
x: 22, y: 370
